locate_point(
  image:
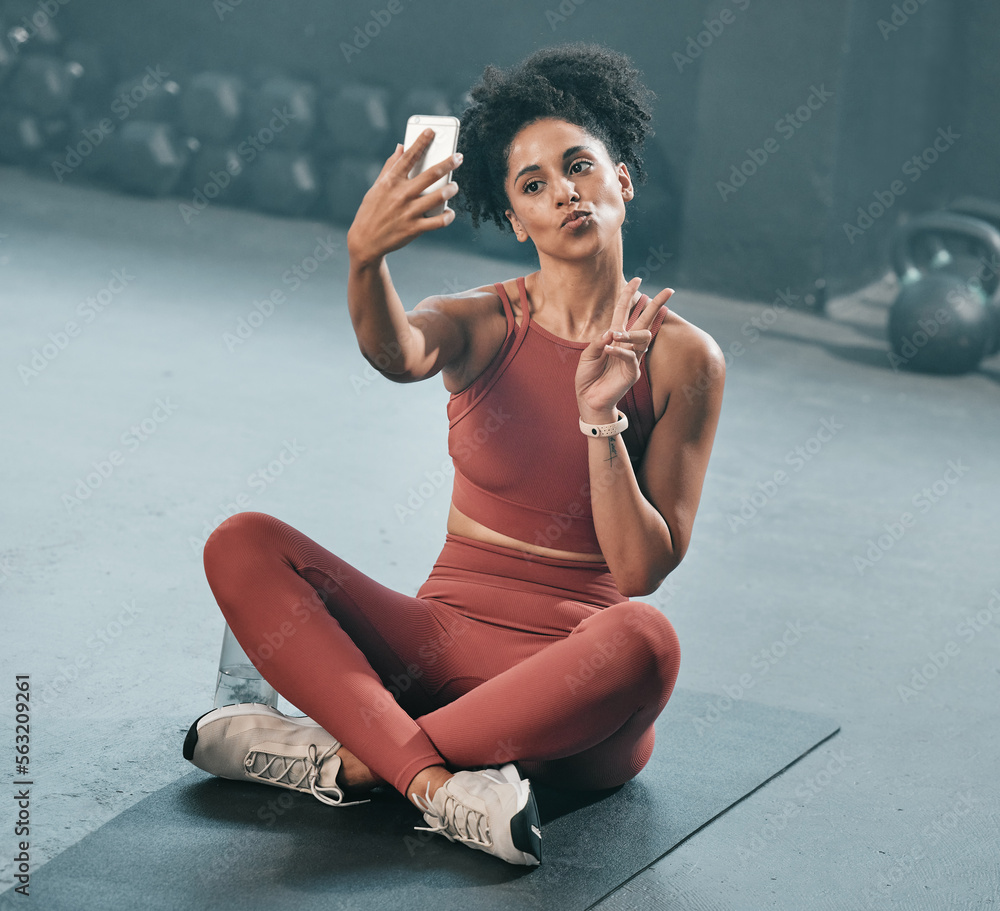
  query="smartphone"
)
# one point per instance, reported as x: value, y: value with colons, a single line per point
x: 443, y: 146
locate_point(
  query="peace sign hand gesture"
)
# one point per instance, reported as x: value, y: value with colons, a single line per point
x: 609, y: 365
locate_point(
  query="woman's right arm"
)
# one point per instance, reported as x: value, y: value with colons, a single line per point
x: 403, y: 346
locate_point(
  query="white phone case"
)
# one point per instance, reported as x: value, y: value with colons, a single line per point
x: 442, y: 146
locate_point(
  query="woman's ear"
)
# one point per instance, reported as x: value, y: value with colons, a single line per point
x: 625, y: 181
x: 519, y: 231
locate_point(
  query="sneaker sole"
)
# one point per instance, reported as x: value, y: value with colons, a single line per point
x: 525, y: 825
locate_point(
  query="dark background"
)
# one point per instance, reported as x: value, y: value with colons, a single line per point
x: 894, y: 74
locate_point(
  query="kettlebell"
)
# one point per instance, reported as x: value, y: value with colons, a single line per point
x: 946, y: 317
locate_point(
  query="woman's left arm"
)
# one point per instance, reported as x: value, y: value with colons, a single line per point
x: 644, y: 522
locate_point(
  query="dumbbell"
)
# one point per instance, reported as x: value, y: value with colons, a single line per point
x: 8, y: 60
x: 27, y: 139
x: 87, y: 150
x: 283, y: 182
x: 282, y: 111
x: 50, y: 95
x: 29, y: 29
x: 43, y: 85
x: 65, y: 147
x: 151, y: 96
x: 357, y: 121
x: 212, y: 106
x: 149, y: 157
x: 93, y: 74
x: 218, y: 174
x: 347, y: 181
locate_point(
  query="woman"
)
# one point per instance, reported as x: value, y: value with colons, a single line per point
x: 523, y: 656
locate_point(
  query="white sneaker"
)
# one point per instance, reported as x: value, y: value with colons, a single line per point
x: 257, y: 743
x: 492, y: 810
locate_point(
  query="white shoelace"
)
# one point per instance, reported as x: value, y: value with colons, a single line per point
x: 300, y: 773
x: 473, y: 827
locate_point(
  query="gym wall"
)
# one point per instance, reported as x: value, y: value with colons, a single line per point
x: 774, y: 124
x: 797, y: 190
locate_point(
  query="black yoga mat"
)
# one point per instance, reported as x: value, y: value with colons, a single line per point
x: 205, y: 843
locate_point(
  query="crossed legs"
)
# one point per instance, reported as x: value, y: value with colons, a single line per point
x: 414, y: 689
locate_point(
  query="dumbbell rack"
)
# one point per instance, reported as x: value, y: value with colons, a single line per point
x: 265, y: 140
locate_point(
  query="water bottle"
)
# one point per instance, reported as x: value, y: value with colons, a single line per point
x: 239, y: 681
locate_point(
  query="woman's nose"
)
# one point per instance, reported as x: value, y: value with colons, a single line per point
x: 567, y: 192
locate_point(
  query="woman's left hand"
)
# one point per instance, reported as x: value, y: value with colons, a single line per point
x: 609, y: 365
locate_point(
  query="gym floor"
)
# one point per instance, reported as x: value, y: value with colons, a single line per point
x: 844, y: 560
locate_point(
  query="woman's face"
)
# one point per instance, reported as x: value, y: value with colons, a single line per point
x: 555, y: 169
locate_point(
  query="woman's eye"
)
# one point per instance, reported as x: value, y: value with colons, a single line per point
x: 575, y: 168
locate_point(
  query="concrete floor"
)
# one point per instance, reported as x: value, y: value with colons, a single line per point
x: 109, y: 612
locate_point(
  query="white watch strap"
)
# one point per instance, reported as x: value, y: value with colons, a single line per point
x: 605, y: 430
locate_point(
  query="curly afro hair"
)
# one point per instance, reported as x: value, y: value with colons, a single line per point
x: 591, y: 86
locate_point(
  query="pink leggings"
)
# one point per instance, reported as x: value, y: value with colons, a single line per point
x: 500, y: 656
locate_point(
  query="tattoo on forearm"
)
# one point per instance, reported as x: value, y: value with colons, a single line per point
x: 612, y: 451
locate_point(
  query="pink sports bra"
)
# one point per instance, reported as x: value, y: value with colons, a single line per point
x: 521, y: 463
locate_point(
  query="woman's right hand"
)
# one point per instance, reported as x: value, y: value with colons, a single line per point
x: 392, y: 211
